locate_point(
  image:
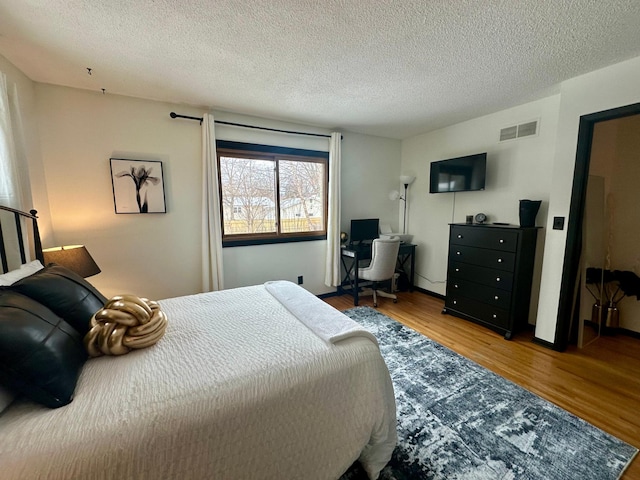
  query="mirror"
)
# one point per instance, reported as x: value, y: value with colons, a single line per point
x: 593, y: 304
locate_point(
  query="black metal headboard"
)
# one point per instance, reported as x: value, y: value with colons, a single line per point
x: 21, y: 220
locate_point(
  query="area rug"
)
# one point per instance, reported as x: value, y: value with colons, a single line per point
x: 458, y: 420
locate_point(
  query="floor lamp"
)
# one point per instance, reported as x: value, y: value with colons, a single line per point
x: 406, y: 180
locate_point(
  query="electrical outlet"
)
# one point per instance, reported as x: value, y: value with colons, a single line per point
x: 300, y: 280
x: 558, y: 223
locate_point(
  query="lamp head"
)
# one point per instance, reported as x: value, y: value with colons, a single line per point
x: 74, y: 257
x: 407, y: 179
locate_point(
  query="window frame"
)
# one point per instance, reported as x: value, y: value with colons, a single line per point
x: 272, y: 153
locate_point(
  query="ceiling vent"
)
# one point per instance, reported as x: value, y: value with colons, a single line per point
x: 517, y: 131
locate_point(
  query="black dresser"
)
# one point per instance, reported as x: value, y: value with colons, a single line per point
x: 489, y: 275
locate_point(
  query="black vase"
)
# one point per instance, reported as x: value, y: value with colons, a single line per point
x: 528, y: 211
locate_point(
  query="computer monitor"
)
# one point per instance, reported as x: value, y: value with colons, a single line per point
x: 364, y: 229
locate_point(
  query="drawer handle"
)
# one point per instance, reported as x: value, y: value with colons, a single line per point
x: 457, y: 269
x: 497, y: 279
x: 455, y: 302
x: 455, y: 286
x: 501, y: 241
x: 458, y: 253
x: 499, y: 260
x: 495, y: 316
x: 496, y: 297
x: 459, y: 236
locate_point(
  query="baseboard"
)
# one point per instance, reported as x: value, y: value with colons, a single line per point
x: 429, y: 292
x: 338, y: 293
x: 609, y: 332
x: 629, y: 333
x: 330, y: 294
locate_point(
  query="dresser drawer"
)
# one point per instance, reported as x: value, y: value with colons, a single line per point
x: 487, y: 276
x: 498, y: 239
x: 482, y: 257
x: 482, y: 293
x: 488, y: 314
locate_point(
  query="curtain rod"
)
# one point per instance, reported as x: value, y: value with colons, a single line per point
x: 175, y: 115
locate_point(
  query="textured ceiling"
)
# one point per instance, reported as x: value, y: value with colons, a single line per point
x: 381, y: 67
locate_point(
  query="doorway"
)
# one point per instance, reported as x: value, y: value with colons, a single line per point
x: 573, y: 248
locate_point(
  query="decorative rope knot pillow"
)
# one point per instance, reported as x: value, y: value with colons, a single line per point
x: 124, y: 323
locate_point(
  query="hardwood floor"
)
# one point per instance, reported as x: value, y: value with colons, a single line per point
x: 600, y: 383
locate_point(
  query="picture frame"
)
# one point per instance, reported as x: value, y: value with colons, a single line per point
x: 138, y: 186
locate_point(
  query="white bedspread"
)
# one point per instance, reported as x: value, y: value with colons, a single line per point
x: 238, y: 388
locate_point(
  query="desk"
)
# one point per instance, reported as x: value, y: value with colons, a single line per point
x: 351, y: 256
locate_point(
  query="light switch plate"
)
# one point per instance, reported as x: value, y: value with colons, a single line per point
x: 558, y: 223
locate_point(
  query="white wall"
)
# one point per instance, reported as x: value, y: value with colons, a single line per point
x: 159, y: 255
x: 155, y: 255
x: 516, y: 169
x: 370, y: 171
x: 611, y: 87
x: 27, y: 106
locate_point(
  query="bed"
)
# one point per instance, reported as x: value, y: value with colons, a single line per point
x: 265, y: 381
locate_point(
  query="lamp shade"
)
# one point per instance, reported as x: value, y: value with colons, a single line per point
x: 407, y: 179
x: 394, y: 195
x: 74, y: 257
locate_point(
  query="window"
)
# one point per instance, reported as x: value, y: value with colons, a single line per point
x: 272, y: 194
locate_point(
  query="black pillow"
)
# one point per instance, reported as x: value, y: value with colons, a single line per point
x: 41, y: 355
x: 65, y: 293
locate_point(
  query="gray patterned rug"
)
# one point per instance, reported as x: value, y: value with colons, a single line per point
x: 458, y: 420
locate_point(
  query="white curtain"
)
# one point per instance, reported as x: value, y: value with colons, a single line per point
x: 13, y: 182
x: 332, y: 261
x: 212, y: 271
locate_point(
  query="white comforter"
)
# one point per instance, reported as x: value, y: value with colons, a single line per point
x: 238, y: 388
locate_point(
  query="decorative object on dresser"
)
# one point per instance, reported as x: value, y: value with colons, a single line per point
x: 480, y: 217
x: 490, y: 274
x: 528, y: 211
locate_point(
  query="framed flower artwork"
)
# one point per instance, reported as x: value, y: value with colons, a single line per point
x: 138, y: 186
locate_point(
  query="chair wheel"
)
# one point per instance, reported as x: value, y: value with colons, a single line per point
x: 375, y: 304
x: 395, y: 300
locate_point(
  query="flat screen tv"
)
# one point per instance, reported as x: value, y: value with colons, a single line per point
x: 461, y: 174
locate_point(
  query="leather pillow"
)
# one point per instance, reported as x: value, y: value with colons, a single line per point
x: 41, y: 355
x: 65, y: 293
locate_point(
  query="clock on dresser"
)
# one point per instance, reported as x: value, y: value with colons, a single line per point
x: 480, y: 218
x: 490, y: 274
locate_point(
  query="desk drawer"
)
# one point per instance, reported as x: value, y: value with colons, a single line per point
x: 486, y: 276
x: 482, y: 293
x: 498, y: 239
x: 482, y: 257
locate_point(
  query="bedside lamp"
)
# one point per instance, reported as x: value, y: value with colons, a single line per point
x: 74, y: 257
